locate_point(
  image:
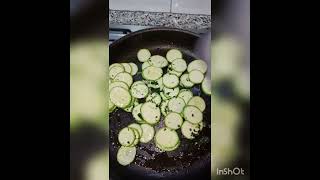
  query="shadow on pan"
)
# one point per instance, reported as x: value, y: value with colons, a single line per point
x: 192, y: 158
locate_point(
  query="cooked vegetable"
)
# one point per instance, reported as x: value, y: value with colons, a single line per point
x: 143, y: 55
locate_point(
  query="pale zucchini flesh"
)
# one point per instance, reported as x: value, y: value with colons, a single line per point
x: 185, y: 81
x: 120, y: 97
x: 192, y: 114
x: 190, y: 130
x: 173, y: 120
x: 179, y: 65
x: 199, y: 65
x: 115, y: 70
x: 198, y: 102
x: 134, y: 69
x: 166, y: 138
x: 152, y: 73
x: 136, y: 127
x: 127, y: 67
x: 126, y: 155
x: 173, y: 54
x: 124, y: 77
x: 170, y: 80
x: 154, y: 97
x: 206, y: 86
x: 139, y: 90
x: 158, y: 61
x: 186, y: 95
x: 143, y: 55
x: 118, y: 83
x: 126, y: 136
x: 147, y: 133
x: 136, y: 113
x: 176, y: 105
x: 196, y: 77
x: 150, y: 113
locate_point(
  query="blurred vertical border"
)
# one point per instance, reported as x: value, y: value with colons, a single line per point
x: 88, y: 90
x: 231, y: 88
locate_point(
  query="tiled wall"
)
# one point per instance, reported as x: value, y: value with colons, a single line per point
x: 174, y: 6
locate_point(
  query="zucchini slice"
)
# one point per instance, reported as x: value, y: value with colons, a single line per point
x: 190, y: 130
x: 137, y: 135
x: 158, y: 61
x: 170, y: 93
x: 170, y: 80
x: 111, y: 106
x: 206, y: 86
x: 166, y: 138
x: 179, y: 65
x: 164, y: 97
x: 169, y: 149
x: 154, y: 97
x: 152, y: 73
x: 173, y: 54
x: 199, y: 65
x: 186, y: 95
x: 176, y: 105
x: 198, y: 102
x: 126, y: 155
x: 124, y: 77
x: 143, y: 55
x: 130, y: 107
x: 114, y: 65
x: 145, y: 65
x: 170, y: 71
x: 127, y: 67
x: 126, y: 136
x: 134, y: 69
x: 173, y: 120
x: 136, y: 113
x: 147, y: 133
x: 164, y: 107
x: 150, y: 113
x: 115, y: 70
x: 192, y: 114
x: 120, y: 97
x: 196, y: 77
x: 139, y: 90
x: 118, y: 83
x: 185, y: 81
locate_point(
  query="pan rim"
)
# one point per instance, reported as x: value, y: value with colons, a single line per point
x: 153, y: 29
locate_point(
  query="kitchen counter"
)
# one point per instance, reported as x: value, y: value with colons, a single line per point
x: 141, y: 18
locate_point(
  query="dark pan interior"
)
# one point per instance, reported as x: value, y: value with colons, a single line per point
x: 192, y: 159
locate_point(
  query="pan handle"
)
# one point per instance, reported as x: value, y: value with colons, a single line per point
x: 117, y: 33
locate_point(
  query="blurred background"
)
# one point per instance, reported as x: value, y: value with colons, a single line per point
x: 89, y: 39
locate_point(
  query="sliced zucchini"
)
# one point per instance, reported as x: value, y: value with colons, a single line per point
x: 173, y: 120
x: 126, y: 136
x: 160, y: 83
x: 198, y: 102
x: 127, y: 67
x: 170, y: 93
x: 120, y: 97
x: 192, y: 114
x: 170, y: 80
x: 154, y: 97
x: 134, y: 69
x: 173, y: 54
x: 152, y: 84
x: 139, y: 90
x: 179, y: 65
x: 166, y: 138
x: 164, y: 107
x: 118, y: 83
x: 147, y: 133
x: 126, y: 155
x: 114, y: 65
x: 171, y: 71
x: 206, y: 86
x: 199, y: 65
x: 169, y: 149
x: 186, y: 95
x: 185, y: 81
x: 130, y: 107
x: 136, y: 127
x: 137, y: 137
x: 196, y: 77
x: 111, y: 106
x: 143, y: 55
x: 176, y: 105
x: 115, y: 70
x: 164, y: 97
x: 152, y: 73
x: 150, y: 113
x: 190, y: 130
x: 136, y: 113
x: 145, y: 65
x: 158, y: 61
x: 124, y: 77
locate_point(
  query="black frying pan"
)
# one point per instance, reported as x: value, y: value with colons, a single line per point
x: 192, y: 159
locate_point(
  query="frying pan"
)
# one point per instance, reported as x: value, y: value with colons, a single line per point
x: 192, y: 158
